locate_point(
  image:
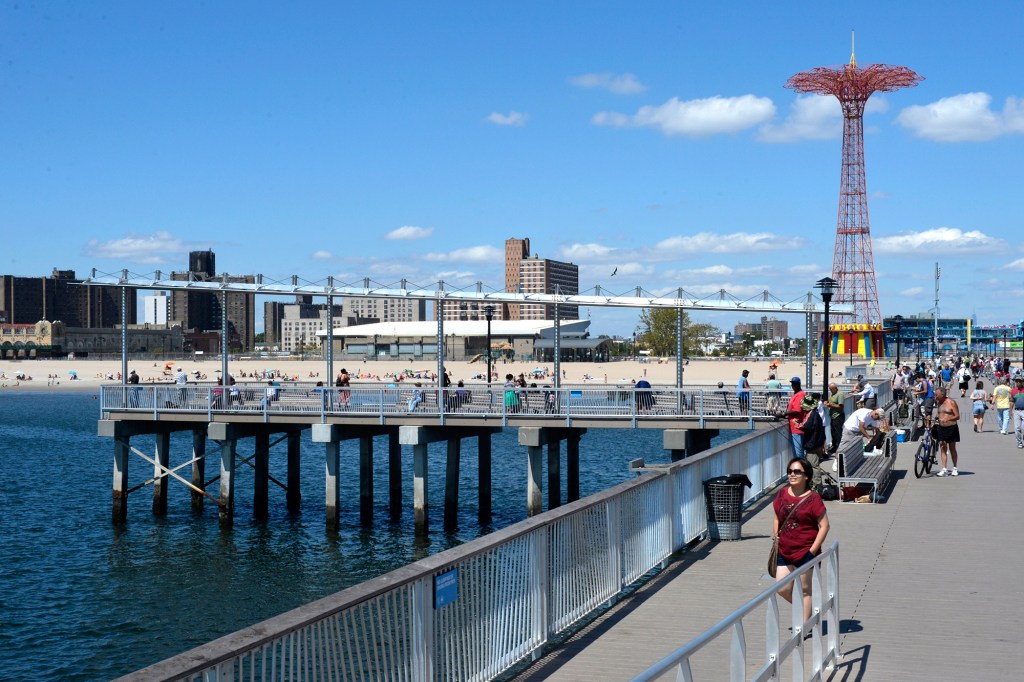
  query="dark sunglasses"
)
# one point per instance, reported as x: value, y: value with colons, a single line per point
x: 796, y: 472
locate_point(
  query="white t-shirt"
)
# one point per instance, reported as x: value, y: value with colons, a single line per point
x: 861, y: 416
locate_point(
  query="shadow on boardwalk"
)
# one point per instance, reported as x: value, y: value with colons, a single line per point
x: 929, y: 584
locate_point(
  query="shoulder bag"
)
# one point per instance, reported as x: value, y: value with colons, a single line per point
x: 773, y: 555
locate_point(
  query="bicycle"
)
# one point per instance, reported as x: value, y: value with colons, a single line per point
x: 925, y: 458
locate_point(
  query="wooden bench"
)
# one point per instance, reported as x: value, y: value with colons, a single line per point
x: 874, y: 470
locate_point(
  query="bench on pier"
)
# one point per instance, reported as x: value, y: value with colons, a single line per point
x: 856, y: 468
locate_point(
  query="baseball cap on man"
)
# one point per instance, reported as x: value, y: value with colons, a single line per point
x: 795, y: 380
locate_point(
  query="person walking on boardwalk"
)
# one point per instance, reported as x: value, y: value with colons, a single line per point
x: 795, y: 414
x: 1018, y: 411
x: 947, y: 433
x: 342, y: 383
x: 800, y: 524
x: 979, y: 403
x: 1001, y: 399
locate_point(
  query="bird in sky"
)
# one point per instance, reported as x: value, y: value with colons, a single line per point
x: 614, y: 271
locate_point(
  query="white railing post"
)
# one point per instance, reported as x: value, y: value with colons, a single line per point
x: 674, y: 521
x: 421, y: 623
x: 834, y: 613
x: 797, y: 618
x: 771, y: 626
x: 539, y: 587
x: 738, y: 654
x: 614, y: 520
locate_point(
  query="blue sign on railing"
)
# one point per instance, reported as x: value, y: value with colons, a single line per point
x: 446, y: 588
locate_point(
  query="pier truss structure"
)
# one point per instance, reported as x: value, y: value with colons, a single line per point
x: 853, y: 263
x: 442, y: 292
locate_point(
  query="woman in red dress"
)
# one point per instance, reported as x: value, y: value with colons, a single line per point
x: 804, y: 533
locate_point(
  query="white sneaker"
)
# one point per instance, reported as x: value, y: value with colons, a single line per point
x: 943, y: 472
x: 954, y: 472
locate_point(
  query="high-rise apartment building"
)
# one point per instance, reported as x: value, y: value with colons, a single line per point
x: 769, y: 328
x: 155, y: 307
x: 61, y: 297
x: 386, y: 309
x: 515, y: 251
x: 201, y: 311
x: 545, y: 276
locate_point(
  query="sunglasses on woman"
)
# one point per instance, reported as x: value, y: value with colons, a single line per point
x: 796, y: 472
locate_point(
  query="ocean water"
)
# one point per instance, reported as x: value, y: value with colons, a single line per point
x: 83, y: 599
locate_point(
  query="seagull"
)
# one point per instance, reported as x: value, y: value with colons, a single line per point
x: 614, y: 271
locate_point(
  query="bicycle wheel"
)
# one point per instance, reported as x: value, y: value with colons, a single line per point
x: 930, y: 456
x: 920, y: 459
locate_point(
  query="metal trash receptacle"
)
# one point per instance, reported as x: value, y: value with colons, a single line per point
x: 723, y: 497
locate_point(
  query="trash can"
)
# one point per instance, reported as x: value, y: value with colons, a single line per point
x: 723, y: 496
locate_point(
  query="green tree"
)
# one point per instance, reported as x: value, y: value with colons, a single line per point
x: 656, y: 331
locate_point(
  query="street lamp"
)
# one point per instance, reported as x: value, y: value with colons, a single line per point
x: 827, y: 286
x: 899, y: 330
x: 489, y: 313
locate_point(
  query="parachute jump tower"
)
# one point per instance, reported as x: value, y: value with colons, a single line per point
x: 853, y: 263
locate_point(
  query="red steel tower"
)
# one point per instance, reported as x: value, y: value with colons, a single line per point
x: 853, y: 264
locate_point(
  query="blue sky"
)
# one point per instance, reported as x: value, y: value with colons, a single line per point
x: 395, y: 140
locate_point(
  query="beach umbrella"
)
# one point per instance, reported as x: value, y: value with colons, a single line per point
x: 72, y: 372
x: 168, y: 364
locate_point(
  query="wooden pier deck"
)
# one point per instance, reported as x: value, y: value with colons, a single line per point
x: 930, y: 584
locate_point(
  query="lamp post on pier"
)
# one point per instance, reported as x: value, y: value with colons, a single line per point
x: 827, y: 286
x: 898, y: 319
x: 489, y: 314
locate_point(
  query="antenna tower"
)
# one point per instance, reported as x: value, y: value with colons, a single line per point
x: 853, y: 264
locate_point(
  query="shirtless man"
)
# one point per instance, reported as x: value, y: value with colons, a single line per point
x: 946, y: 430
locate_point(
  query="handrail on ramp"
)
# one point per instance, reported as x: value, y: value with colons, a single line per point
x: 824, y: 650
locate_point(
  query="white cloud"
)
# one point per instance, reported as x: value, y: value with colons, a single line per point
x: 153, y: 249
x: 812, y: 117
x: 964, y: 118
x: 695, y: 118
x: 809, y: 270
x: 929, y: 241
x: 585, y: 252
x: 409, y: 232
x: 738, y: 242
x: 633, y: 269
x: 1015, y: 265
x: 455, y: 275
x: 912, y: 291
x: 512, y: 118
x: 620, y: 84
x: 472, y: 254
x: 322, y: 255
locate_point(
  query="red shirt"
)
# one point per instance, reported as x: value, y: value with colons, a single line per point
x: 796, y: 538
x: 794, y: 406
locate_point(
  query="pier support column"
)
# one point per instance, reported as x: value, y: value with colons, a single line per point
x: 293, y: 499
x: 119, y: 510
x: 572, y: 465
x: 483, y: 449
x: 554, y: 474
x: 535, y: 438
x: 328, y: 434
x: 451, y: 484
x: 394, y: 475
x: 198, y: 467
x: 366, y: 480
x: 419, y: 488
x: 225, y: 434
x: 261, y: 478
x: 160, y: 478
x: 687, y: 442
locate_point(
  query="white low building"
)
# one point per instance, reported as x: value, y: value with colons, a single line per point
x: 463, y: 340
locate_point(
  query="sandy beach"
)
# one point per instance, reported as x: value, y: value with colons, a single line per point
x: 93, y: 373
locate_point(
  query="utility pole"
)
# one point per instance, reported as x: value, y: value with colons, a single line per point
x: 935, y: 313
